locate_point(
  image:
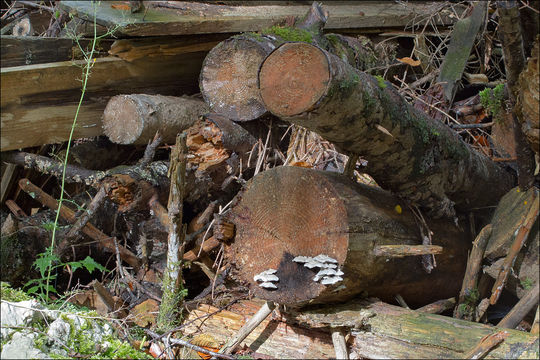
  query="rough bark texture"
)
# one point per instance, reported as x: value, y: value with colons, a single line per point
x: 291, y: 211
x: 134, y: 119
x: 528, y: 99
x: 407, y: 152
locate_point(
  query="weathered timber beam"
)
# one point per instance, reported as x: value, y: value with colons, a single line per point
x: 38, y: 102
x: 287, y: 212
x: 409, y: 153
x: 183, y: 17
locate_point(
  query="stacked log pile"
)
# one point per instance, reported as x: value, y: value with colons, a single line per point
x: 283, y: 251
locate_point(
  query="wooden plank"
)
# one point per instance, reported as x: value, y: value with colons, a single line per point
x: 38, y: 102
x: 182, y: 17
x: 27, y: 50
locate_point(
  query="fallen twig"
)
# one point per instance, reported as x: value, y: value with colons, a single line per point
x: 522, y: 308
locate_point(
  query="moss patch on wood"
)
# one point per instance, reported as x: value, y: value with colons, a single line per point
x: 289, y: 33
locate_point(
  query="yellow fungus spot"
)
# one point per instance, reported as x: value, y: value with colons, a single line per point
x: 517, y: 190
x: 525, y: 202
x: 398, y: 209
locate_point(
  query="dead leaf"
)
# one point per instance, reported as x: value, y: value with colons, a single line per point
x: 407, y: 60
x: 476, y: 78
x: 301, y: 164
x: 124, y: 7
x: 145, y: 313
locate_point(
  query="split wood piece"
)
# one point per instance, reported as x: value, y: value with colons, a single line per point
x: 106, y: 242
x: 135, y: 118
x: 172, y: 282
x: 248, y: 328
x: 183, y: 17
x: 438, y: 306
x: 340, y: 345
x: 290, y: 211
x: 275, y: 338
x: 461, y: 43
x: 520, y: 238
x: 535, y: 328
x: 209, y: 244
x: 380, y: 330
x: 397, y: 251
x: 474, y: 264
x: 485, y: 345
x: 38, y: 101
x: 415, y: 156
x: 528, y: 96
x: 521, y: 309
x: 113, y: 305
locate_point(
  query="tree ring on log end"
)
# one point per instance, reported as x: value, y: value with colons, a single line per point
x: 293, y: 78
x: 121, y: 113
x: 280, y: 217
x: 228, y: 79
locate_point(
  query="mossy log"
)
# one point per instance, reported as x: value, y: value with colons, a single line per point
x: 409, y: 153
x: 228, y: 79
x: 290, y: 211
x: 134, y: 119
x: 380, y: 330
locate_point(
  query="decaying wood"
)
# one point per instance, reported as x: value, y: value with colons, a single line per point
x: 38, y: 101
x: 438, y: 306
x: 134, y: 119
x: 514, y: 62
x: 248, y: 328
x: 463, y: 38
x: 182, y: 17
x: 90, y: 230
x: 406, y: 250
x: 172, y: 283
x: 485, y: 345
x: 386, y: 331
x: 268, y: 338
x: 520, y: 236
x: 535, y: 328
x: 290, y: 211
x: 521, y: 309
x: 340, y: 345
x: 474, y: 264
x: 415, y: 156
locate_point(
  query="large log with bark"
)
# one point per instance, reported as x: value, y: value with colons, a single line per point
x: 287, y: 212
x: 407, y: 152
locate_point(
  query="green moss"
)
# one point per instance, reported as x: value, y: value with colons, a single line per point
x: 380, y: 82
x: 254, y: 35
x: 289, y: 33
x: 526, y: 283
x: 492, y: 101
x: 9, y: 294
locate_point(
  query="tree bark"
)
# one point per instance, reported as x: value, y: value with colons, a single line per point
x: 407, y: 152
x: 290, y: 211
x: 135, y: 119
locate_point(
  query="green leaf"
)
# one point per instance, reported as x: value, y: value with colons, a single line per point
x: 90, y: 265
x: 56, y: 14
x: 33, y: 289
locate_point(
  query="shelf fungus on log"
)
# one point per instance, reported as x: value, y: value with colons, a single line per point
x: 319, y: 231
x: 407, y: 152
x: 134, y: 119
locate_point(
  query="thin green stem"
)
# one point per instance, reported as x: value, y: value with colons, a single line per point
x: 89, y: 63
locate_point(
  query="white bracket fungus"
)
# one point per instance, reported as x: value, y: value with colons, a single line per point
x: 328, y: 266
x: 268, y: 285
x: 267, y: 277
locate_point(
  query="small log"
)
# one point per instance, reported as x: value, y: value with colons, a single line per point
x: 407, y: 152
x: 438, y: 306
x: 134, y: 119
x: 406, y: 250
x: 340, y: 345
x: 290, y: 211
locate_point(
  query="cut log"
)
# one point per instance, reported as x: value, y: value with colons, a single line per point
x: 134, y: 119
x: 409, y: 153
x: 228, y: 78
x: 287, y: 212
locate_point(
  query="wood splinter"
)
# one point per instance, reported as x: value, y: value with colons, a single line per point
x: 340, y: 344
x: 398, y: 251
